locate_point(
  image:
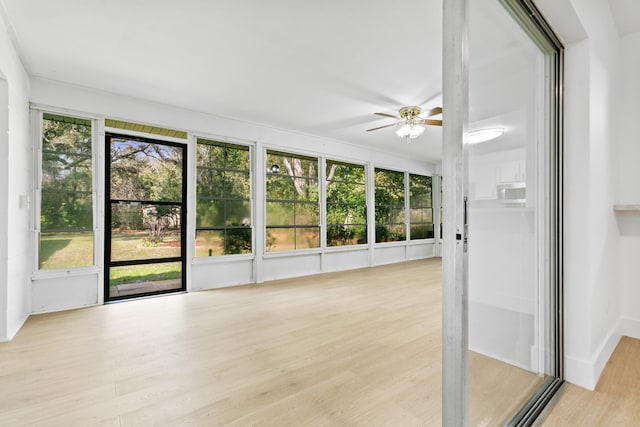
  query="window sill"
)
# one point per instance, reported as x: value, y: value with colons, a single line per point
x: 284, y: 254
x: 69, y: 272
x: 347, y: 248
x: 217, y: 259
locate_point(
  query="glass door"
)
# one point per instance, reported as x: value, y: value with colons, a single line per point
x: 511, y: 156
x: 502, y: 198
x: 145, y: 217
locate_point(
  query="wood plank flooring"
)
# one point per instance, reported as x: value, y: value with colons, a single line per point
x: 356, y: 348
x: 614, y: 402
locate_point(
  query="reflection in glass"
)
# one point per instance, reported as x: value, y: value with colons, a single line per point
x: 509, y: 328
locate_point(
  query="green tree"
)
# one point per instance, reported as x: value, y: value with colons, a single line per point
x: 66, y: 174
x: 146, y: 171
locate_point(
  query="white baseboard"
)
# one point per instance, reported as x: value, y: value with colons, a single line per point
x: 586, y: 373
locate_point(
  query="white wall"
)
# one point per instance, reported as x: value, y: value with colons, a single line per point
x: 57, y: 290
x: 591, y: 280
x: 15, y: 182
x: 628, y: 184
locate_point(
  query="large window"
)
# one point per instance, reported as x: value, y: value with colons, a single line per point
x: 223, y: 208
x: 421, y: 207
x: 346, y: 204
x: 292, y: 204
x: 389, y: 209
x: 66, y: 193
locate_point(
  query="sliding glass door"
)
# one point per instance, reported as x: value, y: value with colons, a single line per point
x: 507, y: 217
x: 511, y: 155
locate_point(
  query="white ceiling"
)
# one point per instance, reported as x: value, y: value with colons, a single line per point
x: 316, y: 67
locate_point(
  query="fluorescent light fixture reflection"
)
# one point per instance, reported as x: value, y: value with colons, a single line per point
x: 410, y: 131
x: 483, y: 135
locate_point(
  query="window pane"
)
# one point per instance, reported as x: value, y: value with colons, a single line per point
x: 341, y: 235
x: 280, y: 239
x: 280, y: 187
x: 307, y: 238
x: 390, y: 233
x: 397, y: 216
x: 344, y: 172
x: 223, y: 199
x: 307, y: 214
x: 65, y: 250
x: 422, y: 231
x: 421, y: 212
x: 421, y: 215
x: 144, y: 232
x: 280, y: 213
x: 223, y: 242
x: 209, y: 243
x: 145, y: 278
x: 66, y: 197
x: 292, y: 200
x: 346, y: 204
x: 237, y: 185
x: 296, y: 177
x: 389, y: 205
x: 237, y: 241
x: 66, y: 171
x: 66, y: 211
x: 129, y: 157
x: 210, y: 183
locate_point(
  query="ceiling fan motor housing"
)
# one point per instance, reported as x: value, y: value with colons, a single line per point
x: 409, y: 114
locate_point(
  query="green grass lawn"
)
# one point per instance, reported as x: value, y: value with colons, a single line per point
x: 145, y: 273
x: 69, y: 250
x: 66, y: 250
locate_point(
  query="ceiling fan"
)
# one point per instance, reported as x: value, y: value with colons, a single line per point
x: 413, y: 120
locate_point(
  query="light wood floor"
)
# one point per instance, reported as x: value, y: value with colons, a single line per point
x: 616, y: 399
x: 342, y: 349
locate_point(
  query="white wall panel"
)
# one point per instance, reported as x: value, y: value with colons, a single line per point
x: 220, y: 274
x: 296, y: 265
x: 421, y: 250
x: 16, y: 163
x: 61, y: 293
x: 387, y: 254
x: 344, y: 260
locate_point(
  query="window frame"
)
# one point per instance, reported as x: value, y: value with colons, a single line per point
x: 391, y: 207
x: 411, y: 207
x: 250, y: 200
x: 325, y: 182
x: 37, y: 115
x: 319, y: 203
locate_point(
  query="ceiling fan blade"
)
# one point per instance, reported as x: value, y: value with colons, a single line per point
x: 387, y: 115
x: 432, y: 112
x: 431, y: 122
x: 381, y: 127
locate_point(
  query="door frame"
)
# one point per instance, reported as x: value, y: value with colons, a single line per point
x: 107, y: 217
x: 455, y: 310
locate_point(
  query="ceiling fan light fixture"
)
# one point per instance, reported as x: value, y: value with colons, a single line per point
x: 483, y: 135
x: 410, y: 131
